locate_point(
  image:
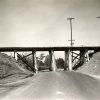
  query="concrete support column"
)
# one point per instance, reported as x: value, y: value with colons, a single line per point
x: 54, y: 67
x: 70, y: 60
x: 34, y: 61
x: 15, y: 55
x: 87, y: 56
x: 52, y: 61
x: 66, y: 65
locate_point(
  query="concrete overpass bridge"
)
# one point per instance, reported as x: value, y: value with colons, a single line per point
x: 72, y: 59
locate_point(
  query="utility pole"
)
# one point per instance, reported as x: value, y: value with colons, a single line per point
x: 71, y: 40
x: 71, y: 31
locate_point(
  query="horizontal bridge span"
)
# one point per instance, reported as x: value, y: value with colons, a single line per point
x: 9, y: 49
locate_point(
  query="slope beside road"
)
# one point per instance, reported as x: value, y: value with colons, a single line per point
x: 57, y: 86
x: 93, y: 66
x: 12, y: 70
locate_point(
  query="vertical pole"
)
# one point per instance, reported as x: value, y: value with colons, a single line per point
x: 15, y: 55
x: 70, y: 60
x: 87, y: 56
x: 34, y: 61
x: 71, y: 35
x: 53, y: 62
x: 71, y: 38
x: 36, y: 67
x: 66, y: 60
x: 71, y: 32
x: 50, y: 56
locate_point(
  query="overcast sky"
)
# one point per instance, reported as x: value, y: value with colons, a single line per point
x: 44, y: 22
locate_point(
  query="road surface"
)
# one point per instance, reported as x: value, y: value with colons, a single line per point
x: 57, y: 86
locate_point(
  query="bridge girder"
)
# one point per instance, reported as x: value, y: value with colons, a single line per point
x: 10, y: 49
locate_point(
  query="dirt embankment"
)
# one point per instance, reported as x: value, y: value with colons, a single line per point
x: 13, y: 71
x: 93, y: 66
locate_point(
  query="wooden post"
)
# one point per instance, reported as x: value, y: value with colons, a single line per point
x: 34, y: 61
x: 66, y: 60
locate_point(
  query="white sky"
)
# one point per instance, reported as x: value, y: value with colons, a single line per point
x: 44, y: 22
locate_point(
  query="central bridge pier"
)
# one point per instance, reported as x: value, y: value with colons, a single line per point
x: 74, y: 56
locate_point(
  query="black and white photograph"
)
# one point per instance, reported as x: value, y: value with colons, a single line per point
x: 49, y: 49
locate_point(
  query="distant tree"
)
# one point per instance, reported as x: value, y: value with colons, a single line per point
x: 60, y: 63
x: 39, y: 63
x: 39, y: 60
x: 41, y: 56
x: 47, y: 61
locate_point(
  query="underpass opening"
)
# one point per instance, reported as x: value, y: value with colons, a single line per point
x: 43, y: 61
x: 60, y: 59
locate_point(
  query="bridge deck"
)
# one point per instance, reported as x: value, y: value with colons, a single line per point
x: 9, y: 49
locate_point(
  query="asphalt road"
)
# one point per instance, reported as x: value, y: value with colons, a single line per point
x: 57, y: 86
